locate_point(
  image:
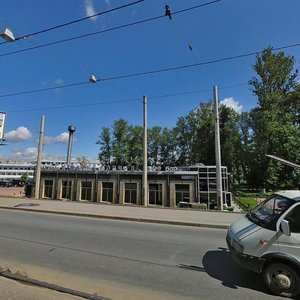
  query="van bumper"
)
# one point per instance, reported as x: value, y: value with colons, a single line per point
x: 249, y: 262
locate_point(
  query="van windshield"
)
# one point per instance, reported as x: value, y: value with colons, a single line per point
x: 267, y: 212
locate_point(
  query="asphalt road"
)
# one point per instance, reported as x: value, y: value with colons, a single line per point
x: 124, y: 260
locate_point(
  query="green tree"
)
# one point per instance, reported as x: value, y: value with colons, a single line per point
x: 231, y: 140
x: 183, y: 135
x: 274, y: 131
x: 135, y: 145
x: 203, y: 144
x: 245, y: 149
x: 120, y: 142
x: 195, y: 137
x: 167, y: 147
x: 25, y: 177
x: 105, y: 143
x: 154, y: 143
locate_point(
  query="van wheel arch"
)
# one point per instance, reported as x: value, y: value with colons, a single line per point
x: 272, y: 258
x: 282, y: 277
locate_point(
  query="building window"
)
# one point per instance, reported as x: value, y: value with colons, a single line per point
x: 86, y: 190
x: 130, y: 193
x: 66, y: 189
x: 48, y: 189
x: 155, y: 194
x: 107, y: 191
x: 182, y: 193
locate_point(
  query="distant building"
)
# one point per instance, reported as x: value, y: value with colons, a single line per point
x: 11, y: 171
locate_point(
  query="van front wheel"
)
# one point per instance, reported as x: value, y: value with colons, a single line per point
x: 282, y: 280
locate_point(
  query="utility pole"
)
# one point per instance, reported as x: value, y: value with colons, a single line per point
x: 218, y: 151
x: 145, y: 162
x: 39, y: 160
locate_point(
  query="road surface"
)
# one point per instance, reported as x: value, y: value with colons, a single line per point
x: 124, y: 260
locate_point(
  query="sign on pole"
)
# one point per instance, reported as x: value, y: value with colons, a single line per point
x: 2, y: 124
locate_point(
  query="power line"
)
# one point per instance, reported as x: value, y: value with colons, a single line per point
x: 106, y: 30
x: 44, y: 89
x: 151, y: 72
x: 127, y: 100
x: 75, y: 21
x: 195, y: 64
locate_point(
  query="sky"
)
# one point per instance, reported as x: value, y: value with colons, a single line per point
x: 221, y: 29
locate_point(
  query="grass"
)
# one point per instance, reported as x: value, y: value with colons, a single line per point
x: 248, y: 201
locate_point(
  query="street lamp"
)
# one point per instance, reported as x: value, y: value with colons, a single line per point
x: 93, y: 79
x: 7, y: 35
x: 71, y: 130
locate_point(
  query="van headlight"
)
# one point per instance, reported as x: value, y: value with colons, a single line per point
x: 237, y: 247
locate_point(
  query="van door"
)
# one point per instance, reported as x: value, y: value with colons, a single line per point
x: 290, y: 245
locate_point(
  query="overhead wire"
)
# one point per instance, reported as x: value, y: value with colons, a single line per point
x: 168, y: 13
x: 127, y: 100
x: 44, y: 89
x: 74, y: 21
x: 106, y: 30
x: 150, y: 72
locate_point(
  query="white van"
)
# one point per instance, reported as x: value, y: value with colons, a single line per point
x: 267, y: 241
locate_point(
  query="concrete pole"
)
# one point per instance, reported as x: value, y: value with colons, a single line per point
x: 218, y: 151
x: 145, y: 145
x: 39, y: 160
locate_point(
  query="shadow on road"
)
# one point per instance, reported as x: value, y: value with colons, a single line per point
x: 220, y: 265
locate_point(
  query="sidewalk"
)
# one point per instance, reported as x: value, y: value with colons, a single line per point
x: 173, y: 216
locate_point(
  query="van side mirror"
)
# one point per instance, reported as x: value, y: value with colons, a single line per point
x: 285, y: 227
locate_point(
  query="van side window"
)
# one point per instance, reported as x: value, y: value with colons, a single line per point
x: 294, y: 219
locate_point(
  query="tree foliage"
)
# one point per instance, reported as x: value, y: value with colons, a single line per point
x: 105, y: 143
x: 273, y: 122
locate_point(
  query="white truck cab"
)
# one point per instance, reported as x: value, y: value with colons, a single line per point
x: 267, y: 241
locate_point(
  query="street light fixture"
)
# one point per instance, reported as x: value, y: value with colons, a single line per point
x: 93, y: 79
x: 7, y: 35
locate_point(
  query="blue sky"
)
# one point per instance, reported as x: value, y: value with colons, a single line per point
x: 223, y: 29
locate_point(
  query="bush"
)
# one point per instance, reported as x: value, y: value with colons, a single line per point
x: 230, y: 208
x: 199, y: 205
x: 195, y: 205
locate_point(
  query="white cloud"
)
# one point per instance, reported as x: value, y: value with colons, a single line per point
x: 24, y: 153
x: 30, y: 155
x: 89, y: 9
x: 60, y: 139
x: 58, y: 81
x: 55, y: 156
x: 21, y: 134
x: 235, y: 105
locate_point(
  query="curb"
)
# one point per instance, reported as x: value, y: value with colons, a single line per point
x: 50, y: 286
x: 118, y: 218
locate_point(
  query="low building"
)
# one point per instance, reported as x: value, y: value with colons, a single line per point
x: 118, y: 185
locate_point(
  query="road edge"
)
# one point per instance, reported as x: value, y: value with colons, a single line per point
x: 119, y: 218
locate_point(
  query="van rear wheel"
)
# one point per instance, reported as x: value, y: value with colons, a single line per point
x: 282, y: 280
